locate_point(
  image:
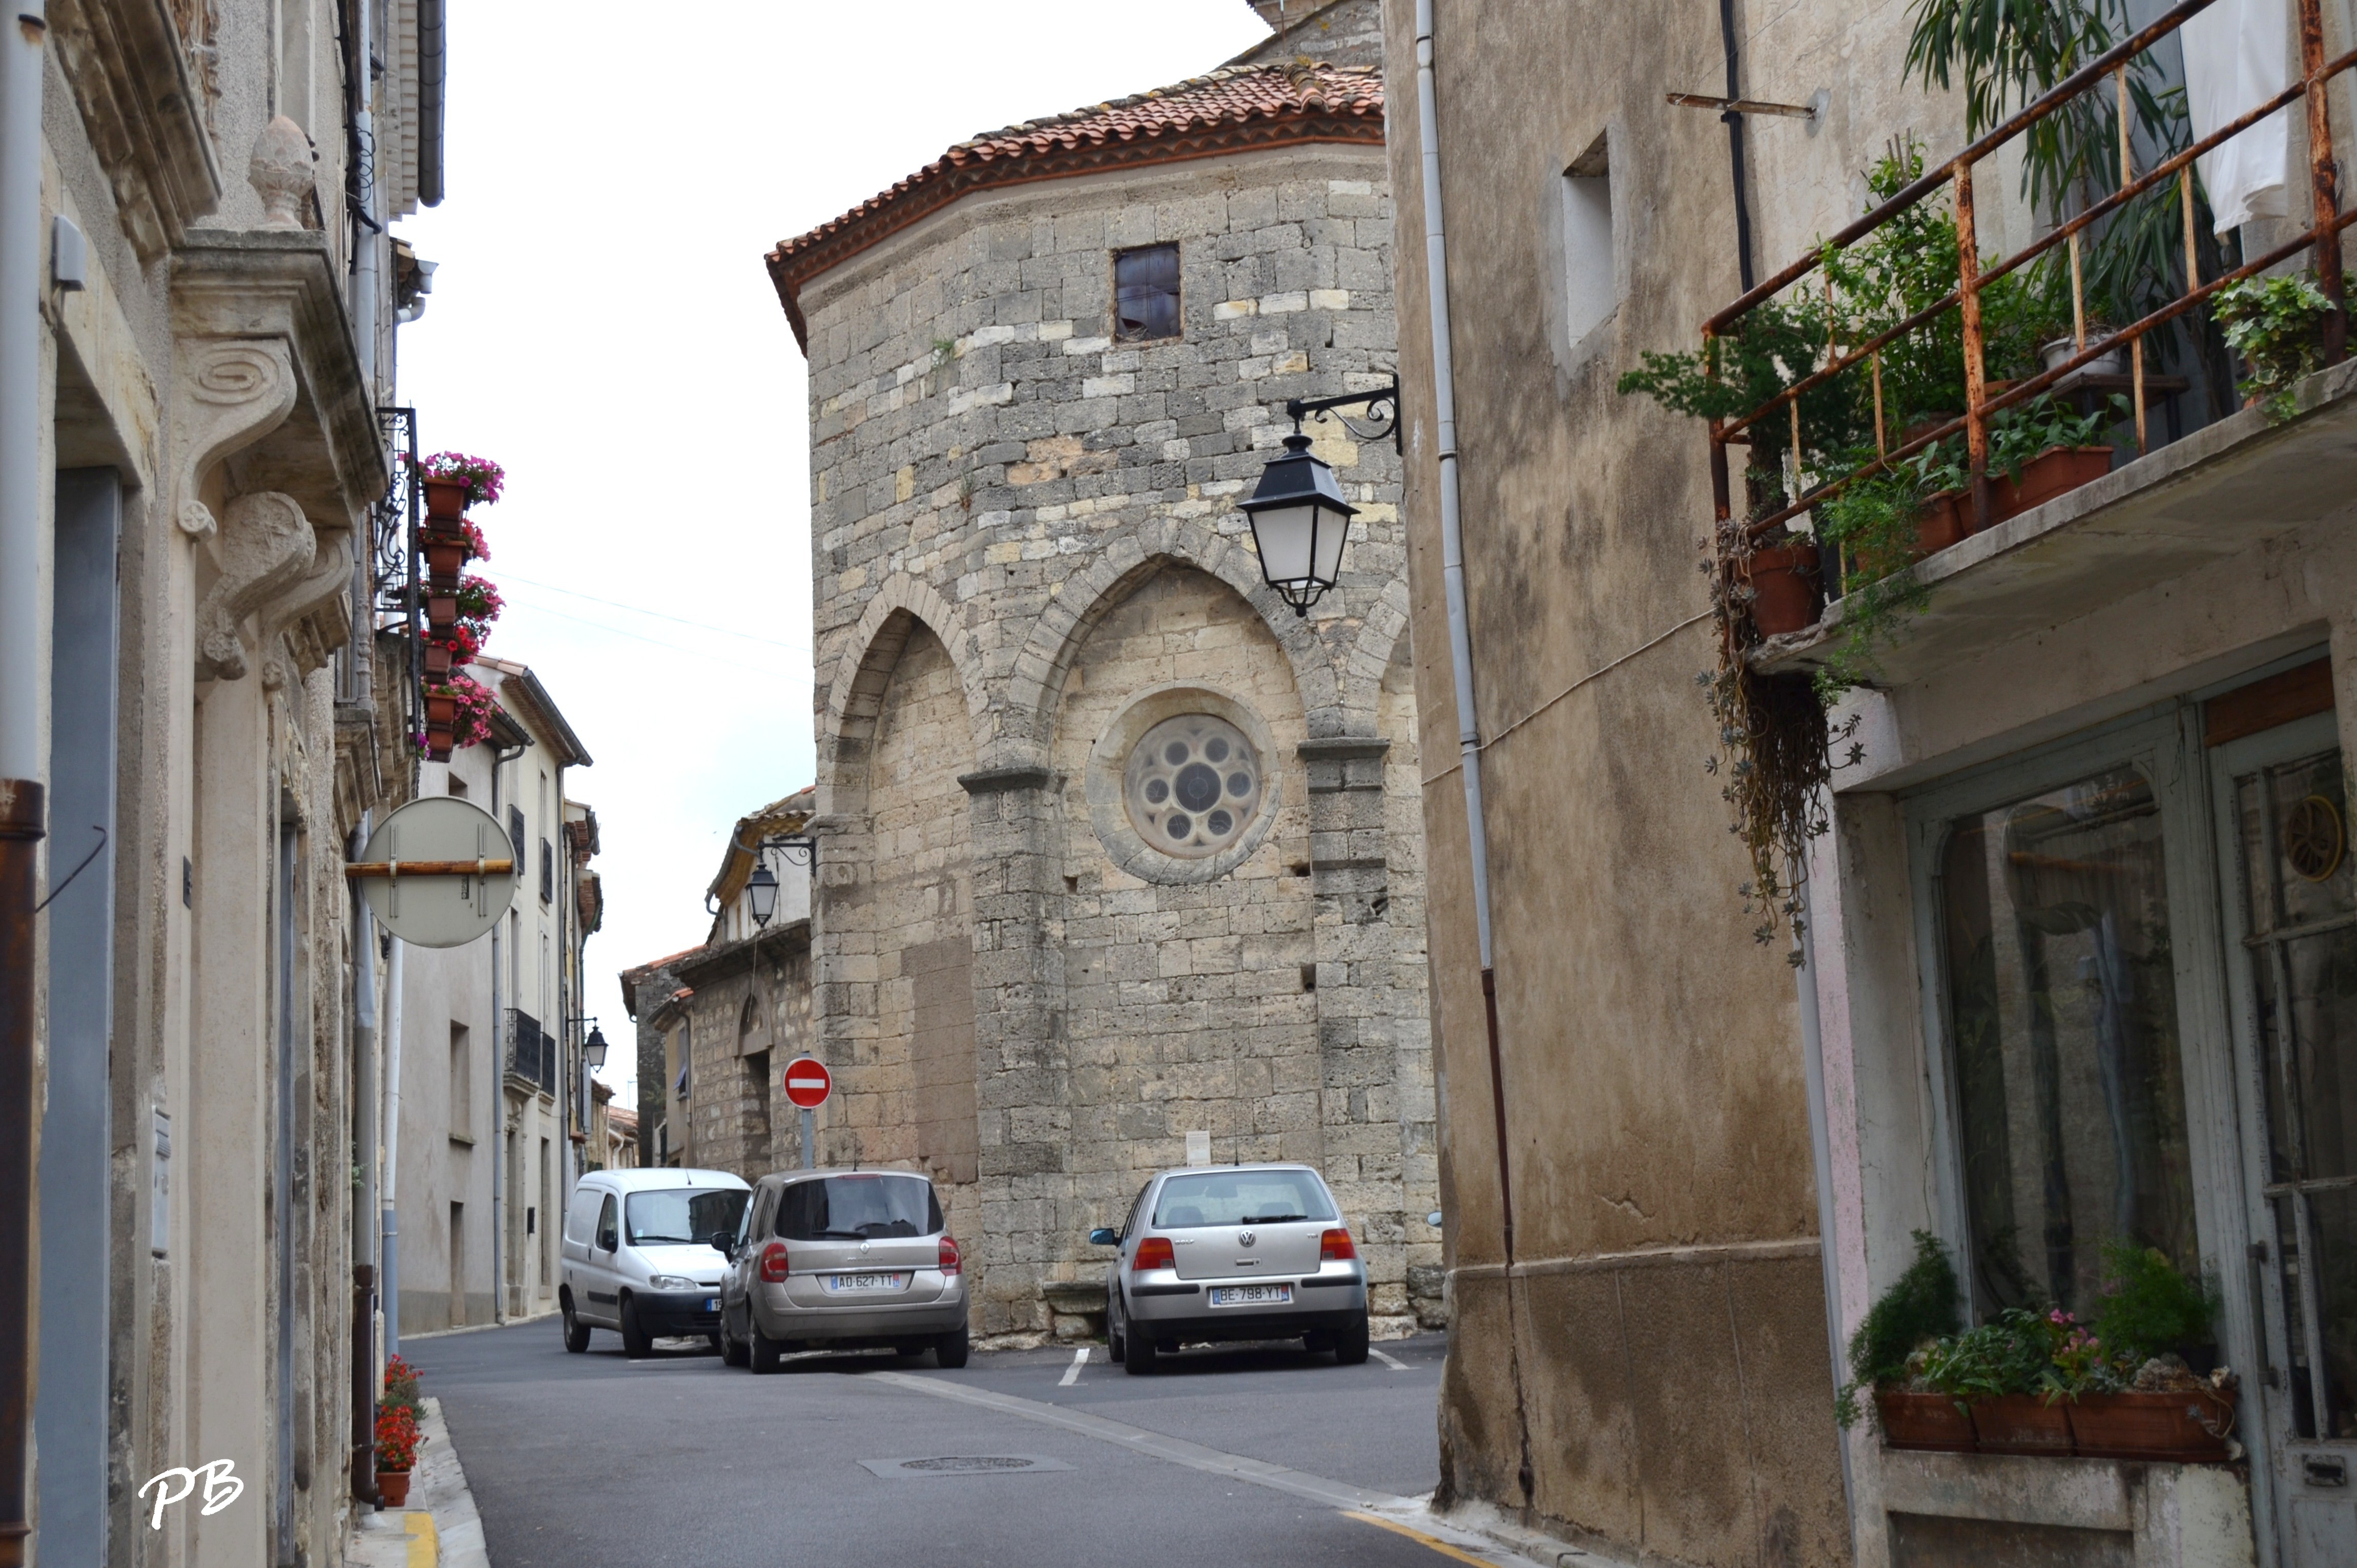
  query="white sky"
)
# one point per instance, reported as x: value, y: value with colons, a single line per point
x: 602, y: 326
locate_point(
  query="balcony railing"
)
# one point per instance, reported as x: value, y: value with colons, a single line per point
x: 1974, y: 276
x: 531, y: 1052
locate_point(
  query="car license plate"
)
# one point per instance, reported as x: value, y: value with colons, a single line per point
x: 839, y: 1282
x: 712, y: 1303
x: 1252, y: 1295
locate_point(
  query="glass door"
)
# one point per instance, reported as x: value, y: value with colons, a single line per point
x: 2290, y: 921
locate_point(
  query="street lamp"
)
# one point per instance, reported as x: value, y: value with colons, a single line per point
x: 593, y: 1049
x: 761, y: 892
x: 762, y: 887
x: 1299, y: 520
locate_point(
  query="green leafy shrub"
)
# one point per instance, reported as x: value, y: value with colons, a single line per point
x: 1917, y: 1309
x: 2149, y: 1307
x: 2013, y: 1353
x: 2278, y: 325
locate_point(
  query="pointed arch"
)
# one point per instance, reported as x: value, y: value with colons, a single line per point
x: 1370, y: 654
x: 846, y: 728
x: 1037, y: 682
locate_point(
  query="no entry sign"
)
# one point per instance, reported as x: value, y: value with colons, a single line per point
x: 808, y: 1083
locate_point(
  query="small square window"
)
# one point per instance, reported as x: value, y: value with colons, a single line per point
x: 1146, y: 293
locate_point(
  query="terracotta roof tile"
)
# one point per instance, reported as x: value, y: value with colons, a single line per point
x: 1233, y: 109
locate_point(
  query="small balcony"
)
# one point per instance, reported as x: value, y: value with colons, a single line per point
x: 531, y: 1054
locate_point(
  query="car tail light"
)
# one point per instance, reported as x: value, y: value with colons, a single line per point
x: 1334, y: 1247
x: 773, y: 1262
x: 1153, y: 1252
x: 951, y: 1260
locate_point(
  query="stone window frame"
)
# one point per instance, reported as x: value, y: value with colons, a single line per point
x: 1109, y: 758
x: 1178, y: 296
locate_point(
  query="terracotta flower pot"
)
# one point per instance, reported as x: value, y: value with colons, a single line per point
x: 437, y: 662
x: 445, y: 497
x: 1784, y: 585
x: 441, y: 713
x: 1944, y: 520
x: 445, y: 557
x: 2056, y: 471
x: 393, y: 1488
x: 441, y: 611
x: 1924, y: 1420
x: 2022, y: 1424
x: 2184, y: 1427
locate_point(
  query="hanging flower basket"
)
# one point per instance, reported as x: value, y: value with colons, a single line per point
x: 441, y: 710
x: 437, y: 660
x: 445, y: 557
x: 441, y: 612
x: 444, y: 498
x: 454, y: 481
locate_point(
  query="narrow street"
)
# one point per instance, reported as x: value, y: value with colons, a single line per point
x: 596, y: 1461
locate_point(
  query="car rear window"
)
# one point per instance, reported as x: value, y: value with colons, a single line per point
x: 865, y: 1206
x: 683, y: 1214
x: 1240, y: 1198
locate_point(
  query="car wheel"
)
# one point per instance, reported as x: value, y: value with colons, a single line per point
x: 1115, y: 1340
x: 732, y: 1349
x: 1351, y: 1343
x: 765, y: 1355
x: 952, y: 1349
x: 577, y: 1333
x: 1139, y: 1362
x: 1318, y: 1340
x: 637, y: 1343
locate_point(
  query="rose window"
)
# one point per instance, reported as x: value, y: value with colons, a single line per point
x: 1191, y: 786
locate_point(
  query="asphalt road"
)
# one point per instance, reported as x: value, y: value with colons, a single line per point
x: 596, y: 1461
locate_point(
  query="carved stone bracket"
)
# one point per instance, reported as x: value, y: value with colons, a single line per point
x: 266, y: 550
x: 297, y: 614
x: 232, y: 392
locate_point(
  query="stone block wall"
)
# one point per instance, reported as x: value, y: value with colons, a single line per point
x: 1023, y: 534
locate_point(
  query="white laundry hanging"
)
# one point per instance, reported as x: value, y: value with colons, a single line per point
x: 2237, y: 56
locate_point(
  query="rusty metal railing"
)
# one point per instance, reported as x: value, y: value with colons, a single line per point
x: 2321, y: 236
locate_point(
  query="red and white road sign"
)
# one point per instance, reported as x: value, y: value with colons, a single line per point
x: 808, y: 1083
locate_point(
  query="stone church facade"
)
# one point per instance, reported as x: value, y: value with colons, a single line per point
x: 1114, y: 847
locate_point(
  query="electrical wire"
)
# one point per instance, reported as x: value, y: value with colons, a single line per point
x: 659, y: 615
x: 657, y: 641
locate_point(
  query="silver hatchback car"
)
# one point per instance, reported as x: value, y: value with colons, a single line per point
x: 1230, y: 1252
x: 842, y: 1261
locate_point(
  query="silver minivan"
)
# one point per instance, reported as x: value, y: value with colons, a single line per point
x: 843, y: 1260
x: 1230, y: 1252
x: 641, y: 1254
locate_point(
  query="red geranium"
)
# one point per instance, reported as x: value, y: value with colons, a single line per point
x: 397, y: 1438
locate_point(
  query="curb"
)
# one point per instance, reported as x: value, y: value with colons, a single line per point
x: 1501, y: 1529
x: 455, y: 1528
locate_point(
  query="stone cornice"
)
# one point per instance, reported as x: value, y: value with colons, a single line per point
x: 1004, y: 781
x: 1342, y: 748
x: 129, y: 72
x: 282, y: 284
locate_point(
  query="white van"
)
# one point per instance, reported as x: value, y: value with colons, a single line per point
x: 642, y: 1254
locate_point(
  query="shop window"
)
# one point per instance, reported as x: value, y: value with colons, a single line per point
x: 2068, y: 1080
x: 1146, y: 293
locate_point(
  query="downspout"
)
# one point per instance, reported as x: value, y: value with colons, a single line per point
x: 366, y: 1207
x: 22, y: 684
x: 500, y: 760
x: 1732, y: 44
x: 1452, y: 558
x: 389, y: 1292
x: 369, y: 232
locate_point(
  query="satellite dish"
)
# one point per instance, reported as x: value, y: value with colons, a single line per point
x: 439, y: 871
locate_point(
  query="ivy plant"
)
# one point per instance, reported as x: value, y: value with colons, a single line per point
x: 2277, y: 324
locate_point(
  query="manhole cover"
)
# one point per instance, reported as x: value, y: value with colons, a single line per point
x: 963, y: 1465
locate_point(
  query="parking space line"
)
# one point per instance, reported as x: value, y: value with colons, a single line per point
x: 1394, y: 1364
x: 1072, y: 1373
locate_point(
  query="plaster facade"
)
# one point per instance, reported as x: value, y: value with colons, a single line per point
x: 1027, y: 552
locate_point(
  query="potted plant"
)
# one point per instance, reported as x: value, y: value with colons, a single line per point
x: 1885, y: 1354
x: 2138, y: 1396
x: 2041, y: 449
x: 454, y: 481
x: 397, y: 1438
x: 1782, y: 578
x: 2277, y: 324
x: 2004, y: 1372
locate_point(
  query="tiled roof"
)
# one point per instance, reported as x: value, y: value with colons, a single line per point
x: 1234, y: 109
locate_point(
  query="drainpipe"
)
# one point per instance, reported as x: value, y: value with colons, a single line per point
x: 1452, y: 558
x: 500, y: 760
x: 22, y: 684
x: 368, y: 233
x: 365, y: 1212
x: 1734, y: 48
x: 390, y: 1291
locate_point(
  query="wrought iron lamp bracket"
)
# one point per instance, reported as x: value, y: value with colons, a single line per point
x: 1383, y: 412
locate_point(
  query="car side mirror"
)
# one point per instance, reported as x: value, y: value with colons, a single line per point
x: 724, y: 1243
x: 1104, y: 1236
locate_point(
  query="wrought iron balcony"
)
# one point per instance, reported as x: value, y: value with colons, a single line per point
x: 533, y: 1053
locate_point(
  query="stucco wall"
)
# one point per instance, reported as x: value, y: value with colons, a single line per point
x: 1019, y: 527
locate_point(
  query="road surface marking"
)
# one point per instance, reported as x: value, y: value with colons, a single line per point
x: 1419, y: 1537
x: 1072, y: 1373
x: 1394, y: 1364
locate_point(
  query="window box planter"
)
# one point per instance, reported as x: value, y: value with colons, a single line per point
x: 393, y: 1488
x: 1784, y: 587
x: 445, y: 557
x: 2186, y: 1426
x: 2022, y: 1424
x: 2056, y: 471
x: 441, y: 612
x: 1930, y: 1421
x: 445, y: 497
x: 1944, y: 520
